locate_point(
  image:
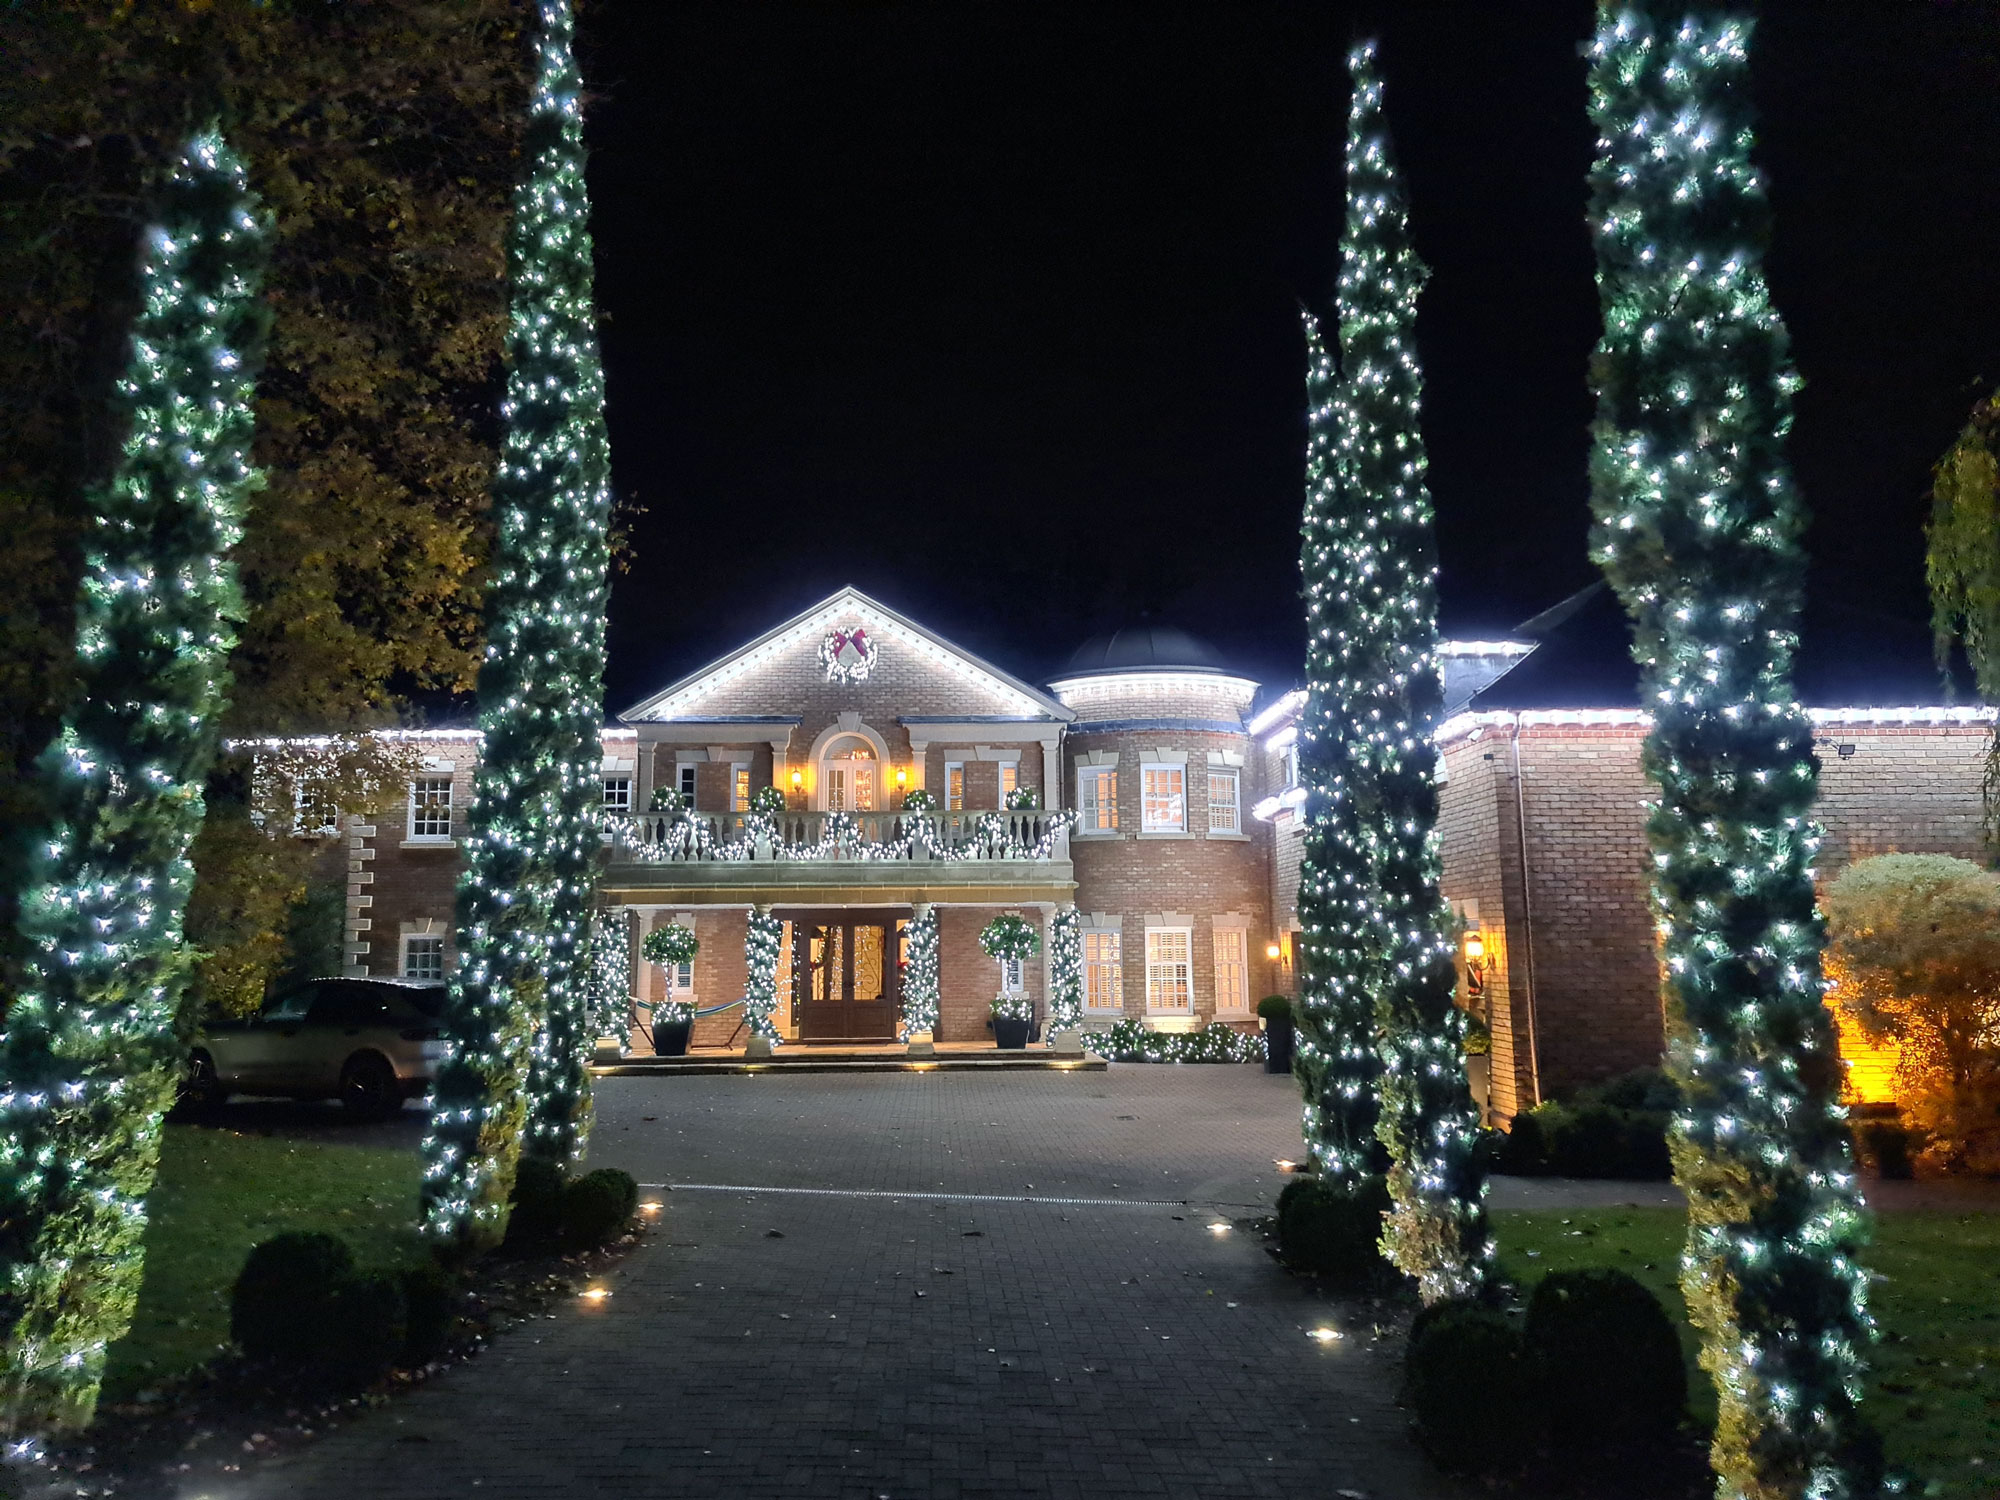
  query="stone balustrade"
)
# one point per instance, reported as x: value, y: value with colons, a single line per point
x: 743, y: 837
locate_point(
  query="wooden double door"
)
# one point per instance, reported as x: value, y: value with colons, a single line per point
x: 847, y: 975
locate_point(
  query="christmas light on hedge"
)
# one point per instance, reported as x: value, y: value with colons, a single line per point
x: 518, y: 1016
x: 89, y: 1058
x: 1697, y: 527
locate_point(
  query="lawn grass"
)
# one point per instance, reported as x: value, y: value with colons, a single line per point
x: 1934, y: 1386
x: 218, y: 1194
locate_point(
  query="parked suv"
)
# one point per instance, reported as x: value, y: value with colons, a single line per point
x: 370, y: 1043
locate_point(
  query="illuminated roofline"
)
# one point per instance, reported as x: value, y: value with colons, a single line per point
x: 1140, y: 682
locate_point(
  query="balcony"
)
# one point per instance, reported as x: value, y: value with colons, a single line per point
x: 794, y: 856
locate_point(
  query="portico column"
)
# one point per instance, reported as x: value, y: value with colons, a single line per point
x: 1052, y: 787
x: 923, y: 1043
x: 917, y: 758
x: 781, y: 764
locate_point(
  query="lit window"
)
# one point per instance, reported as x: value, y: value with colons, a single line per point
x: 1163, y: 800
x: 1168, y: 986
x: 1097, y: 799
x: 423, y: 958
x: 687, y: 787
x: 618, y: 794
x: 954, y: 786
x: 740, y: 790
x: 1103, y: 973
x: 1223, y: 813
x: 1010, y: 777
x: 430, y: 808
x: 1232, y: 971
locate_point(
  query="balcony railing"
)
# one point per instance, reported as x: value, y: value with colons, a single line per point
x: 743, y: 837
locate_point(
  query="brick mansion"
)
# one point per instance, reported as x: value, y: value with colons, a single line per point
x: 1148, y: 786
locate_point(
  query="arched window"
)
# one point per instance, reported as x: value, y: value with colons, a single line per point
x: 849, y: 774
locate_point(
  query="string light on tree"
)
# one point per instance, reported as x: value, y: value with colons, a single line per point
x: 90, y: 1060
x: 1436, y: 1229
x: 517, y: 1020
x: 1697, y: 527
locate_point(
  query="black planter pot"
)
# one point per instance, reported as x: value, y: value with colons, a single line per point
x: 670, y: 1038
x: 1011, y: 1035
x: 1277, y: 1044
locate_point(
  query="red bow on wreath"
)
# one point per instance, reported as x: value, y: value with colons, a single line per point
x: 857, y: 638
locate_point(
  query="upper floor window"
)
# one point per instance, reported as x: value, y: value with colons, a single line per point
x: 954, y: 786
x: 1169, y: 975
x: 618, y: 794
x: 1163, y: 799
x: 1291, y: 754
x: 1010, y: 777
x: 1224, y: 809
x: 430, y: 807
x: 314, y: 814
x: 687, y: 787
x: 739, y: 789
x: 850, y: 774
x: 1096, y: 799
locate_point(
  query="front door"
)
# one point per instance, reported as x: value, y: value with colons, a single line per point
x: 846, y: 982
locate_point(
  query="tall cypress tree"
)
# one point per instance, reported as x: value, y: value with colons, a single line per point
x: 1436, y: 1230
x: 1697, y: 527
x: 1336, y: 1062
x: 91, y: 1055
x: 517, y: 1019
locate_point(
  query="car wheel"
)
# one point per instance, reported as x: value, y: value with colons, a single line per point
x: 201, y: 1086
x: 368, y: 1087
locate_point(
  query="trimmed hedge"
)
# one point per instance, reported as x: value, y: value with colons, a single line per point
x: 1466, y: 1380
x: 1616, y: 1129
x: 301, y: 1304
x: 1131, y: 1040
x: 1333, y: 1233
x: 1607, y: 1359
x: 551, y: 1212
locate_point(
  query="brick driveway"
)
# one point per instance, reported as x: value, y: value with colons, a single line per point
x: 858, y: 1336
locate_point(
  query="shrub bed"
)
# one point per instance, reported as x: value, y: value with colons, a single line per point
x: 553, y: 1212
x: 1132, y: 1040
x: 1616, y: 1129
x: 302, y: 1305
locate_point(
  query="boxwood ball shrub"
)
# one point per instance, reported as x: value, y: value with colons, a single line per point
x: 535, y: 1220
x: 283, y: 1296
x: 364, y: 1330
x: 597, y: 1206
x: 1605, y: 1358
x: 1334, y: 1233
x: 430, y: 1313
x: 1466, y: 1379
x: 1275, y: 1008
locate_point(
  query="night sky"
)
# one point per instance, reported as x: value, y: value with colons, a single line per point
x: 992, y: 310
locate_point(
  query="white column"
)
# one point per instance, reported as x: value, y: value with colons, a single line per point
x: 918, y: 750
x: 1052, y: 787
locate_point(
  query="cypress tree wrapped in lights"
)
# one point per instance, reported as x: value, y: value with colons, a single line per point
x: 1065, y: 973
x: 517, y: 1020
x: 1436, y: 1230
x: 90, y: 1058
x: 920, y: 979
x: 1335, y: 1060
x: 1697, y: 527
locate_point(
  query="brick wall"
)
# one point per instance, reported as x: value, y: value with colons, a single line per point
x: 396, y: 884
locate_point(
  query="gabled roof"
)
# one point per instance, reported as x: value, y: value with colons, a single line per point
x: 877, y: 616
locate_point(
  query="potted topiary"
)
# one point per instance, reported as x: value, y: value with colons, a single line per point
x: 1277, y: 1013
x: 1011, y: 939
x: 670, y: 947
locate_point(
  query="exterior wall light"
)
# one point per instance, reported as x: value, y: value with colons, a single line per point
x: 1474, y: 948
x: 1273, y: 952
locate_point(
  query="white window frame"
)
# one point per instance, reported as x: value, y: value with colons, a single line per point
x: 618, y: 793
x: 1147, y: 823
x: 1233, y: 803
x: 428, y: 784
x: 1115, y: 963
x: 303, y: 811
x: 739, y: 789
x: 687, y: 779
x: 1239, y: 936
x: 954, y: 801
x: 1013, y: 976
x: 1096, y: 816
x: 431, y: 942
x: 1010, y: 777
x: 1156, y: 968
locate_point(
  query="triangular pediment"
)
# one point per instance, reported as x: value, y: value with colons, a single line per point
x: 830, y: 624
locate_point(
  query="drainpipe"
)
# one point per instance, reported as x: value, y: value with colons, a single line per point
x: 1527, y: 918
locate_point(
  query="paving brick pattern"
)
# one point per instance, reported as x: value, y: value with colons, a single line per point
x: 809, y: 1344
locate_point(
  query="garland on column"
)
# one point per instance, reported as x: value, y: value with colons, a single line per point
x: 920, y: 979
x: 1065, y: 973
x: 611, y: 977
x: 1335, y: 1059
x: 517, y: 1016
x: 1697, y: 527
x: 1436, y: 1230
x: 90, y: 1059
x: 763, y: 939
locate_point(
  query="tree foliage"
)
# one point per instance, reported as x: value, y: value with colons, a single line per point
x: 1915, y: 957
x: 1962, y: 565
x: 380, y: 133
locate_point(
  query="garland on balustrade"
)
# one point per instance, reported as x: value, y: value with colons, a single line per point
x: 1065, y: 973
x: 683, y: 835
x: 1697, y: 527
x: 1131, y: 1040
x: 763, y: 940
x: 89, y: 1056
x: 920, y: 979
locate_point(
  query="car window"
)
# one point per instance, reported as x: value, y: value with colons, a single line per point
x: 287, y: 1007
x: 426, y: 999
x: 347, y: 1005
